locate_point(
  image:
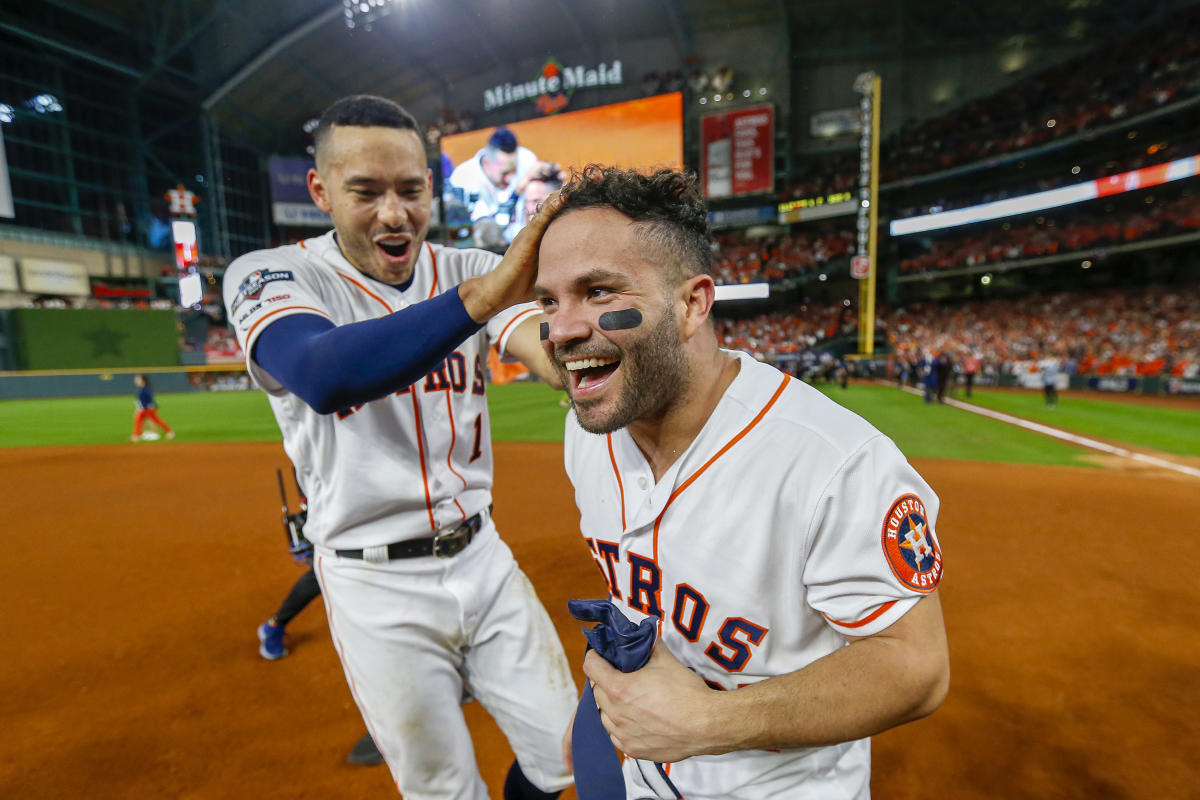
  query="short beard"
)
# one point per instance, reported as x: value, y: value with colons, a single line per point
x: 655, y: 375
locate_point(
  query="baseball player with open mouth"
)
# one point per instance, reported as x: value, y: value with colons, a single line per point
x: 780, y: 549
x: 370, y: 343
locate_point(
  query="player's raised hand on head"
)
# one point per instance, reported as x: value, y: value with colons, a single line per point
x: 663, y: 712
x: 512, y: 280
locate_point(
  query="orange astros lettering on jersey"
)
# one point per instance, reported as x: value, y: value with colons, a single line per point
x: 910, y: 545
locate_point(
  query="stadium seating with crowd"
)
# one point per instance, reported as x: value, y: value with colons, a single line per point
x: 1076, y: 230
x: 1146, y: 331
x: 742, y: 259
x: 1111, y: 83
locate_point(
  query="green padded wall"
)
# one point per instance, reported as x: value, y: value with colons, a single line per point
x: 54, y: 338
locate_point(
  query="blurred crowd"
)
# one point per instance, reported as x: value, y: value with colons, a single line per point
x: 784, y: 332
x: 741, y: 259
x: 1151, y: 331
x: 1077, y: 231
x: 1115, y: 81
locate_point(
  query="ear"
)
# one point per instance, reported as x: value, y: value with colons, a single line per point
x: 318, y: 191
x: 697, y: 295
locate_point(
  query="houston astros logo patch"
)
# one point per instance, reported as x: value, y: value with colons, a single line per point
x: 910, y: 546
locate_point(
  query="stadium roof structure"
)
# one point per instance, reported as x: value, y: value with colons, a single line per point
x: 260, y: 69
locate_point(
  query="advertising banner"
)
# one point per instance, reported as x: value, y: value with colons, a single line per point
x: 65, y: 278
x: 737, y: 153
x: 290, y: 202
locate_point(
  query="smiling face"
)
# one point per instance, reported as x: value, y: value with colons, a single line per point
x: 534, y: 195
x: 374, y: 182
x: 593, y: 261
x: 499, y: 167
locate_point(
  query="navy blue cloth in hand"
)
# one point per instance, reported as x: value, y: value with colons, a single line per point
x: 627, y: 646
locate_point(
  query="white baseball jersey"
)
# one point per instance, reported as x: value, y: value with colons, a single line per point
x: 360, y: 493
x: 416, y: 634
x: 788, y: 522
x: 469, y: 176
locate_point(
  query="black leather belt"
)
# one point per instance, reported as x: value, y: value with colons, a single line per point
x: 445, y: 544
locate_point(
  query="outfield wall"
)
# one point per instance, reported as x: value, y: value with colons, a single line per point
x: 91, y: 338
x: 92, y: 383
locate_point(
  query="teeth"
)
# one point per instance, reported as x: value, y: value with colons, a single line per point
x: 588, y: 363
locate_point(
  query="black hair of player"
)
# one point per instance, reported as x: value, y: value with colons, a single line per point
x: 549, y: 176
x: 666, y: 204
x: 363, y: 111
x: 503, y: 139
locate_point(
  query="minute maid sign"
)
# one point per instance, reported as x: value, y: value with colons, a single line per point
x: 553, y: 86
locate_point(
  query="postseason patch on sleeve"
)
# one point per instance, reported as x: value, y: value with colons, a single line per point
x: 910, y: 545
x: 252, y: 287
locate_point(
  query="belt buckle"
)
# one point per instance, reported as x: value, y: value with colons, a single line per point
x: 452, y: 543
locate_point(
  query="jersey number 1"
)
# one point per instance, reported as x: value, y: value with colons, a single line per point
x: 475, y: 451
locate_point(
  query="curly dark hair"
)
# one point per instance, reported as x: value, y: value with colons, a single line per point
x: 362, y: 111
x: 666, y: 204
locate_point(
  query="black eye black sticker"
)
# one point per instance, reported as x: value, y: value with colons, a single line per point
x: 620, y: 320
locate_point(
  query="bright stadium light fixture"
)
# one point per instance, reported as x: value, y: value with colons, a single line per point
x: 745, y: 92
x: 362, y: 13
x: 703, y: 100
x: 45, y: 104
x: 7, y: 114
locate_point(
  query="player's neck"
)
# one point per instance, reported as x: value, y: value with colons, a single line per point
x: 664, y: 439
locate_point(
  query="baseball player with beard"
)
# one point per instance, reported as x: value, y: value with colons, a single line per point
x: 370, y: 344
x: 784, y: 547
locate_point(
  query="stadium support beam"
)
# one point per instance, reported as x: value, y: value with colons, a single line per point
x: 281, y: 44
x: 114, y: 24
x: 683, y: 34
x: 163, y: 56
x: 62, y: 47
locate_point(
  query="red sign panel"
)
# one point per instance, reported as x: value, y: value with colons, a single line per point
x: 737, y: 153
x: 860, y: 267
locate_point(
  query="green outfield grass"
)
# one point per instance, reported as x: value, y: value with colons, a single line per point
x: 526, y: 412
x: 931, y: 430
x: 1171, y: 430
x: 530, y: 412
x: 196, y: 417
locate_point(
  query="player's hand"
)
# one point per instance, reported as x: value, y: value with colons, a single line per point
x: 512, y: 280
x: 662, y: 712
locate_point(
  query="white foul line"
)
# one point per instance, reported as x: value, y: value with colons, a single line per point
x: 1083, y: 441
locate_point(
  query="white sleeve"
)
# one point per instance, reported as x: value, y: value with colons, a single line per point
x: 871, y: 551
x: 261, y: 288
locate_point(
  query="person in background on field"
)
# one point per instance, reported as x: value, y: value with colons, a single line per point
x: 970, y: 368
x: 928, y: 369
x: 945, y: 374
x: 1049, y: 369
x: 147, y: 409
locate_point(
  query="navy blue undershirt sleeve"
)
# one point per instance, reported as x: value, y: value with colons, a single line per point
x: 331, y: 367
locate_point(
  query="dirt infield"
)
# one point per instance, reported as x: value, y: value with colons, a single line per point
x: 134, y: 578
